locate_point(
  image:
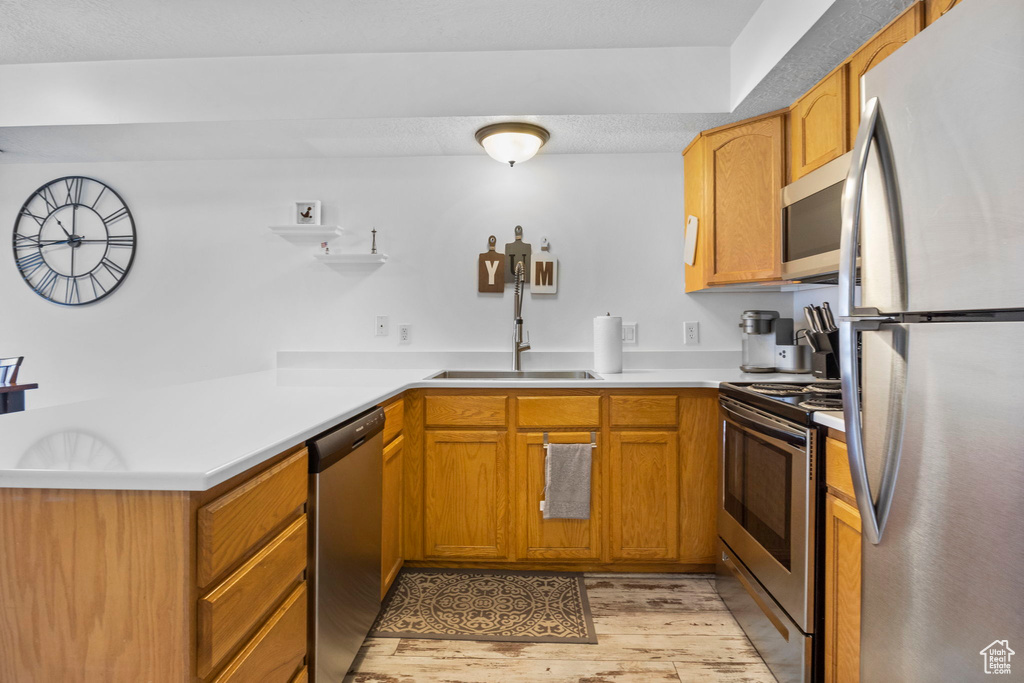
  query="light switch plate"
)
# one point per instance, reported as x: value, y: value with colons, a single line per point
x: 629, y: 333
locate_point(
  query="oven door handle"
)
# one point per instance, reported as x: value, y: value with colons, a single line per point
x: 751, y: 421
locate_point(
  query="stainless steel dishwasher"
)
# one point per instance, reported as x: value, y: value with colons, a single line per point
x: 345, y: 481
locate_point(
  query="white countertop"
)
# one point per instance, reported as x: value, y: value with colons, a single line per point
x: 833, y: 419
x: 194, y: 436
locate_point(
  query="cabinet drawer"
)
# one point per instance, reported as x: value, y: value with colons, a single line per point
x: 394, y: 419
x: 302, y: 676
x: 234, y: 607
x: 837, y: 467
x: 559, y: 411
x: 465, y: 411
x: 277, y: 651
x: 231, y: 525
x: 644, y: 411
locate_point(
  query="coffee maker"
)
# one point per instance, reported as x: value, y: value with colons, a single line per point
x: 762, y: 332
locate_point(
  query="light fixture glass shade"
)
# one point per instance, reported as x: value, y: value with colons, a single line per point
x: 512, y: 143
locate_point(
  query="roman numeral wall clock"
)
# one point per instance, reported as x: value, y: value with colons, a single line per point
x: 74, y: 241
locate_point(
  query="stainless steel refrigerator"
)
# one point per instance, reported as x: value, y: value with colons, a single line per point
x: 935, y: 202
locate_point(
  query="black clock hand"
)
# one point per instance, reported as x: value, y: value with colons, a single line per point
x: 62, y: 227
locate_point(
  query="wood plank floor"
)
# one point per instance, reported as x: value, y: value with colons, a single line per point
x: 665, y: 628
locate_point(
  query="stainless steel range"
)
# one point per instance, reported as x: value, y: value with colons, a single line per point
x: 771, y: 471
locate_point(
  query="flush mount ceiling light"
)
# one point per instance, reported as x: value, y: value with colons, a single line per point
x: 512, y: 143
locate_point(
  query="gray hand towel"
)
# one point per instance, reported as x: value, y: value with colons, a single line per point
x: 567, y: 481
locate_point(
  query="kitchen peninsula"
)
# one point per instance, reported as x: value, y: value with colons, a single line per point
x: 123, y: 516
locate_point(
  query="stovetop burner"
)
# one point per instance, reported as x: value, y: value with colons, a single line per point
x: 822, y: 403
x: 778, y: 389
x: 797, y: 401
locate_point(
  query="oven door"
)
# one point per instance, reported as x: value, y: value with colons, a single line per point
x: 766, y: 503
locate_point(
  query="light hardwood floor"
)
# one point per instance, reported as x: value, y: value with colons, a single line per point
x: 649, y: 630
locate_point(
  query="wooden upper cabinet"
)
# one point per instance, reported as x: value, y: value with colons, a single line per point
x: 818, y: 122
x: 872, y: 53
x: 465, y: 495
x: 693, y: 205
x: 933, y: 9
x: 743, y: 177
x: 554, y: 539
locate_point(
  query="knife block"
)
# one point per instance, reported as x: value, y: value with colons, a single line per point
x: 825, y: 361
x: 824, y: 365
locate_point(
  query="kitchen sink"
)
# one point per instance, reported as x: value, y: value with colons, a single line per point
x: 514, y: 374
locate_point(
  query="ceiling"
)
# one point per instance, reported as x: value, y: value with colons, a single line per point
x: 87, y: 30
x: 459, y: 32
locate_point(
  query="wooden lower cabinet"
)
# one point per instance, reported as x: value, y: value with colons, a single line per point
x: 392, y: 552
x: 842, y: 591
x: 466, y: 495
x: 179, y: 586
x: 554, y: 539
x: 469, y: 503
x: 644, y: 483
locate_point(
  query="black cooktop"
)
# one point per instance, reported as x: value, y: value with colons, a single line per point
x: 797, y: 401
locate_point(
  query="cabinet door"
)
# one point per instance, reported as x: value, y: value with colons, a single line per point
x: 391, y: 519
x: 884, y: 43
x: 644, y: 482
x: 933, y: 9
x: 554, y: 539
x: 819, y: 121
x: 693, y: 205
x: 465, y: 494
x: 842, y: 591
x: 743, y: 174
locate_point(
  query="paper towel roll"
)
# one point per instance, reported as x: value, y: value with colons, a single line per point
x: 607, y: 344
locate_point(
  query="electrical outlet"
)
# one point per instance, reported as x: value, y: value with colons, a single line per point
x: 629, y: 333
x: 380, y: 328
x: 691, y: 332
x: 404, y: 334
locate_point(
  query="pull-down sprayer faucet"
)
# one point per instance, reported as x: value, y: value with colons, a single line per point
x: 518, y: 345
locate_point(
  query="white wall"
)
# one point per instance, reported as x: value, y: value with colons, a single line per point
x: 213, y: 292
x: 772, y: 31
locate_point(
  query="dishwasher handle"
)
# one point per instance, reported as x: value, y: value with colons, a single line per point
x: 331, y: 446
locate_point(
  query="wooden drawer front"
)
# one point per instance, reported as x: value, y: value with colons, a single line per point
x: 278, y: 650
x: 233, y: 608
x: 559, y: 411
x: 644, y: 411
x: 394, y: 418
x: 465, y: 411
x: 302, y: 676
x: 837, y: 467
x: 230, y: 526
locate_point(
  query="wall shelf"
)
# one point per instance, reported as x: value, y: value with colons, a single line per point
x: 320, y: 232
x: 352, y: 259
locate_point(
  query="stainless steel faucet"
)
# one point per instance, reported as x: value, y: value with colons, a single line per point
x: 518, y: 345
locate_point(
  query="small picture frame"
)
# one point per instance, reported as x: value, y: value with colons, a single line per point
x: 307, y: 212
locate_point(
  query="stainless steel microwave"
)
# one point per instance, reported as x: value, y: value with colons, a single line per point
x: 811, y: 222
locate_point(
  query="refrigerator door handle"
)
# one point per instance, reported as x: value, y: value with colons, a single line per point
x: 854, y: 320
x: 873, y: 514
x: 872, y: 129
